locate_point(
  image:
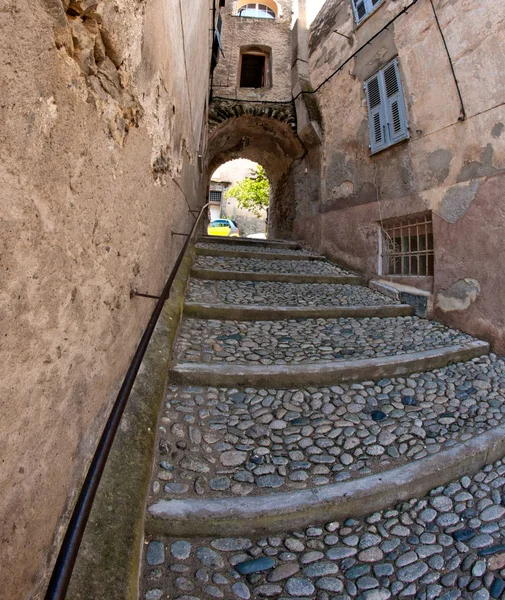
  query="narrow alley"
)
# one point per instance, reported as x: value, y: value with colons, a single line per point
x: 252, y: 298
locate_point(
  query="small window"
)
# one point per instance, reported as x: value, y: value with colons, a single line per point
x: 407, y: 246
x: 215, y: 196
x: 253, y: 71
x: 363, y: 8
x: 387, y: 114
x: 258, y: 11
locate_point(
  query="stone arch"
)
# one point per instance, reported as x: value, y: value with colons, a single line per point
x: 249, y: 133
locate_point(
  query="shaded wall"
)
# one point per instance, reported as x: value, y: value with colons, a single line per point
x: 454, y: 168
x: 102, y: 122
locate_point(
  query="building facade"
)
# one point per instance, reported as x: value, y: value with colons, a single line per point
x: 412, y: 160
x: 224, y: 178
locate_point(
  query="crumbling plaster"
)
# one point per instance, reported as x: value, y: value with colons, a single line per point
x: 446, y: 166
x: 89, y: 106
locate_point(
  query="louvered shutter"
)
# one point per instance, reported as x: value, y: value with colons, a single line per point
x: 360, y: 10
x: 395, y: 104
x: 376, y: 114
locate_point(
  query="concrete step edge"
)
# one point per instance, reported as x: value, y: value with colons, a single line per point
x: 314, y: 374
x: 238, y: 312
x: 215, y: 274
x: 292, y: 511
x: 248, y: 242
x: 258, y: 255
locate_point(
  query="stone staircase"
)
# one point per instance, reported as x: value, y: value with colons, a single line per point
x: 306, y: 418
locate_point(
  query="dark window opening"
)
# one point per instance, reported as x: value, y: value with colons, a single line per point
x: 252, y: 73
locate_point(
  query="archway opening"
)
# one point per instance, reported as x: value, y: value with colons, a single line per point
x: 264, y: 135
x: 240, y: 192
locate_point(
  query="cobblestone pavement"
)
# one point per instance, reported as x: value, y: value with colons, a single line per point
x: 256, y: 265
x: 256, y: 249
x: 447, y: 545
x: 301, y: 341
x: 226, y: 442
x: 229, y: 443
x: 272, y: 293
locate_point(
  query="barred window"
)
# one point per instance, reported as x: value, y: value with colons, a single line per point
x: 215, y: 196
x: 407, y: 246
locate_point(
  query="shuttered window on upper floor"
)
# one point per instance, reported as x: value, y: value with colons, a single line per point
x: 387, y: 114
x: 362, y: 8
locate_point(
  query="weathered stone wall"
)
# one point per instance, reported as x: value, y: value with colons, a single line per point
x: 454, y: 168
x: 240, y: 32
x: 102, y: 115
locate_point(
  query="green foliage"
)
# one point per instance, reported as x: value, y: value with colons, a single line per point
x: 252, y: 193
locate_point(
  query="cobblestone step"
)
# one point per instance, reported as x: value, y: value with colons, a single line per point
x: 259, y: 253
x: 253, y: 243
x: 225, y: 441
x: 255, y: 313
x: 303, y: 341
x: 309, y: 374
x: 286, y: 442
x: 275, y: 293
x: 315, y: 268
x: 218, y: 274
x: 446, y: 544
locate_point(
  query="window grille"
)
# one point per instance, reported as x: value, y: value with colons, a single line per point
x: 215, y: 196
x: 387, y: 115
x: 259, y: 11
x: 407, y: 246
x: 362, y: 8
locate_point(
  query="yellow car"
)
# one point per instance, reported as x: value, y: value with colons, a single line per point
x: 223, y: 227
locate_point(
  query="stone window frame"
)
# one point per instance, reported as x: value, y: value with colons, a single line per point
x: 265, y: 51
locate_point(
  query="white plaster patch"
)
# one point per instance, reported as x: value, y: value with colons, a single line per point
x: 459, y: 296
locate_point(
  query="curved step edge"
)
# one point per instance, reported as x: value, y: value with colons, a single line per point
x: 290, y: 511
x: 314, y: 374
x: 259, y: 255
x: 238, y: 312
x: 215, y: 274
x: 217, y: 239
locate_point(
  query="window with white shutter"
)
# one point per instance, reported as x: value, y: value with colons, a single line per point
x: 362, y: 8
x: 387, y: 114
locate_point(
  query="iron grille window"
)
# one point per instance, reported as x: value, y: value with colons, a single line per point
x: 215, y: 196
x: 387, y: 115
x: 259, y: 11
x: 407, y: 246
x: 362, y: 8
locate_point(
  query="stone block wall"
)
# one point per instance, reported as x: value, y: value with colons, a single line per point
x: 454, y: 168
x: 103, y: 117
x: 246, y: 32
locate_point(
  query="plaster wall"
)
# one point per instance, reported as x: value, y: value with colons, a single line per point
x: 246, y: 32
x: 454, y: 168
x: 102, y: 115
